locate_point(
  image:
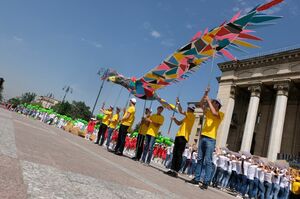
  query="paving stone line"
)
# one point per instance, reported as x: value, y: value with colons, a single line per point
x: 48, y: 182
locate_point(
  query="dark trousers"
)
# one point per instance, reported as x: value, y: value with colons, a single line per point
x: 121, y: 138
x: 139, y: 146
x: 101, y: 134
x: 179, y: 146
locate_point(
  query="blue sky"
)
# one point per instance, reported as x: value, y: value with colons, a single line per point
x: 45, y: 45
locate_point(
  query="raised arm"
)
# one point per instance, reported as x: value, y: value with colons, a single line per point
x: 179, y: 107
x: 203, y: 99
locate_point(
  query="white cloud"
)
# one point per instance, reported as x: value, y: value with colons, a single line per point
x: 168, y: 42
x: 18, y: 39
x: 189, y: 26
x: 93, y: 43
x: 155, y: 34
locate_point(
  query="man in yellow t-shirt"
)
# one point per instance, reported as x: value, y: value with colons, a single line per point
x: 207, y: 143
x: 112, y: 126
x: 104, y: 124
x: 182, y: 137
x: 155, y: 120
x: 144, y: 125
x: 126, y: 122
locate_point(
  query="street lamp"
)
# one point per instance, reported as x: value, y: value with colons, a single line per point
x: 67, y: 89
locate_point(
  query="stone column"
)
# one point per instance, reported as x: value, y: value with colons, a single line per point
x: 251, y: 117
x: 278, y: 120
x: 224, y: 130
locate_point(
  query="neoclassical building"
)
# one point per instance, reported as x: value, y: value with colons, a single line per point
x: 261, y: 102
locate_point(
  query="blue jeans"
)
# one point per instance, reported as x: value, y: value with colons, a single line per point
x: 261, y: 190
x: 225, y: 179
x: 244, y: 185
x: 168, y: 157
x: 233, y: 180
x: 110, y: 132
x: 218, y: 177
x: 192, y: 168
x: 268, y: 190
x: 184, y: 158
x: 206, y: 148
x: 213, y: 173
x: 148, y: 150
x: 283, y: 193
x: 169, y: 163
x: 253, y: 188
x: 275, y: 190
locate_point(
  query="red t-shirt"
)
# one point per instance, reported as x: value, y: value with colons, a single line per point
x: 91, y: 126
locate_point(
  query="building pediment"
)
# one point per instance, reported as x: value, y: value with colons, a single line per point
x: 289, y: 56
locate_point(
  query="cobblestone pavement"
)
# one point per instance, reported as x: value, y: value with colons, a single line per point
x: 41, y: 161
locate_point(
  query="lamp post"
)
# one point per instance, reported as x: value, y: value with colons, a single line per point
x: 67, y: 89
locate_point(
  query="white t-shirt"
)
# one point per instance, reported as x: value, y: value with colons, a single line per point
x: 221, y: 161
x: 169, y: 150
x: 233, y: 163
x: 215, y: 159
x: 284, y: 181
x: 189, y: 154
x: 238, y: 167
x: 260, y: 174
x: 268, y: 177
x: 194, y: 157
x: 185, y: 153
x: 276, y: 178
x: 246, y: 166
x: 229, y: 166
x: 251, y: 171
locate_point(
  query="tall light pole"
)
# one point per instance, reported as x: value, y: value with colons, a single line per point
x: 67, y: 89
x: 102, y: 73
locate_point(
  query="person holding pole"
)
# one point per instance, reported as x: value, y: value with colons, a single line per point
x: 156, y: 121
x: 207, y: 142
x: 112, y: 126
x: 144, y: 125
x: 182, y: 137
x: 126, y: 122
x: 103, y: 127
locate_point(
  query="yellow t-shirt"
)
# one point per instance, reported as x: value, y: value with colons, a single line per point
x: 130, y: 120
x: 144, y: 127
x: 186, y: 127
x: 106, y: 118
x: 153, y: 129
x: 114, y: 121
x: 211, y: 124
x: 296, y: 186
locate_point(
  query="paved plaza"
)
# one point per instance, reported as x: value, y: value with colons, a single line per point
x: 41, y: 161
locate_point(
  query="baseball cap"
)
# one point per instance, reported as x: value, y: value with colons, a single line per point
x: 133, y: 100
x: 192, y: 108
x: 218, y: 101
x: 111, y: 107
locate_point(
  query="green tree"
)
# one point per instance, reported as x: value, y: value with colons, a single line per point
x: 74, y: 110
x: 14, y: 101
x: 81, y: 110
x: 63, y: 108
x: 27, y: 97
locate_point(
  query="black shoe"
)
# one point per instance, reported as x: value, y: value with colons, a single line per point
x: 204, y: 186
x: 168, y: 172
x: 134, y: 159
x: 193, y: 181
x: 119, y: 153
x: 171, y: 173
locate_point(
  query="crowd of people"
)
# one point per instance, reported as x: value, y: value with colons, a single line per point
x: 244, y: 175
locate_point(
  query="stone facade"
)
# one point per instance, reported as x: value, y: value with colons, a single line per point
x: 47, y: 102
x: 261, y: 102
